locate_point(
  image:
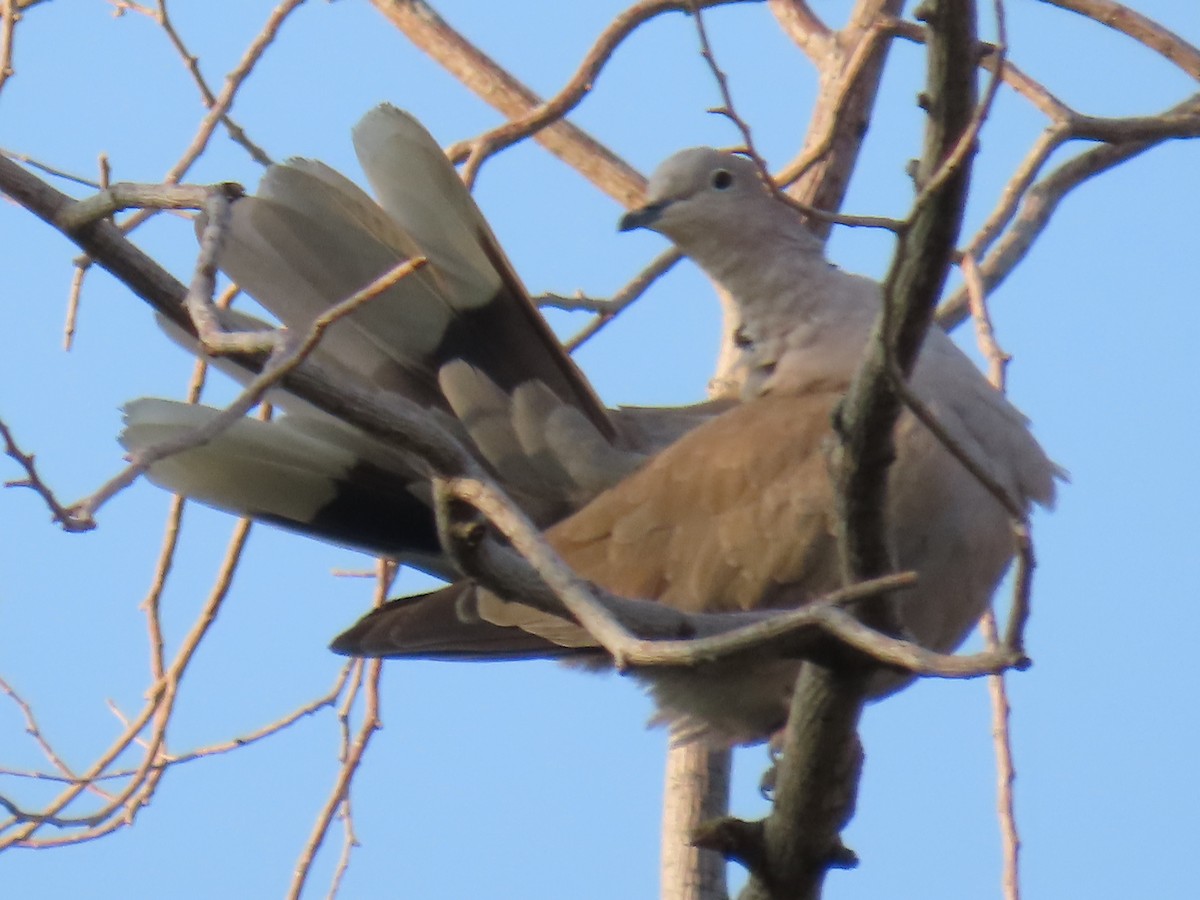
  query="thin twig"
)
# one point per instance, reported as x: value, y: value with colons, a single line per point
x: 621, y: 300
x: 223, y: 101
x: 985, y: 334
x: 1014, y: 192
x: 476, y: 151
x: 385, y: 575
x: 1010, y: 841
x: 47, y: 168
x: 1038, y: 204
x: 157, y: 708
x: 150, y: 604
x: 74, y: 298
x: 370, y: 671
x: 577, y: 302
x: 727, y: 110
x: 314, y: 706
x: 1033, y: 91
x: 850, y: 68
x: 35, y: 732
x: 236, y: 133
x: 32, y: 480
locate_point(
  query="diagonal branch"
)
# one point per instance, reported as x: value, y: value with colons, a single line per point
x: 850, y: 70
x: 1142, y: 29
x: 489, y: 81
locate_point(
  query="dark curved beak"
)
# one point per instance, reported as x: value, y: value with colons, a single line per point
x: 643, y: 217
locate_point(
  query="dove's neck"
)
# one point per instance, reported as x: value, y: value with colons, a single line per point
x: 774, y: 269
x: 798, y: 319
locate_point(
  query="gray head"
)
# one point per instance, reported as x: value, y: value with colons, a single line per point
x: 702, y: 199
x: 692, y: 185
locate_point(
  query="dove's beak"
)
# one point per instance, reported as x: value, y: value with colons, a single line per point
x: 643, y: 217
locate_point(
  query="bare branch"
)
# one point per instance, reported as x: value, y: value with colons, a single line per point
x: 910, y: 290
x: 223, y: 101
x: 577, y: 302
x: 126, y: 195
x: 817, y: 778
x: 157, y: 708
x: 726, y: 108
x: 804, y: 27
x: 476, y: 151
x: 369, y: 671
x: 33, y: 481
x: 485, y: 78
x: 35, y: 732
x: 621, y: 300
x: 1145, y: 31
x: 985, y: 335
x: 695, y: 791
x: 1005, y: 770
x: 10, y: 14
x: 1015, y: 190
x: 849, y: 71
x: 74, y: 298
x: 236, y: 133
x: 1038, y: 206
x: 49, y: 169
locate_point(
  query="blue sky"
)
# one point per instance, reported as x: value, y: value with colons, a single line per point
x: 522, y: 779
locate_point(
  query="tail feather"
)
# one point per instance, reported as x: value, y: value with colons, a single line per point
x: 297, y: 266
x: 421, y: 191
x: 434, y: 626
x: 497, y: 328
x: 310, y: 238
x: 311, y: 476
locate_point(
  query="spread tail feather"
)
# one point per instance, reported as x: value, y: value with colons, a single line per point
x: 309, y: 238
x: 309, y: 475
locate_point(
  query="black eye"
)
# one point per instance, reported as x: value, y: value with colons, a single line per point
x: 721, y: 179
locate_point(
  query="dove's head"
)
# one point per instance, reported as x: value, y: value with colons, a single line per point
x: 707, y: 200
x: 694, y: 189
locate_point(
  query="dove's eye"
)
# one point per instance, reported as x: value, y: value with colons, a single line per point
x: 721, y: 179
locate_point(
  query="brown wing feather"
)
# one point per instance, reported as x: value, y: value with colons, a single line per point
x: 688, y: 529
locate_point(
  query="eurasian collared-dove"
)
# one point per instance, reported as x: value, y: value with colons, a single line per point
x: 735, y: 514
